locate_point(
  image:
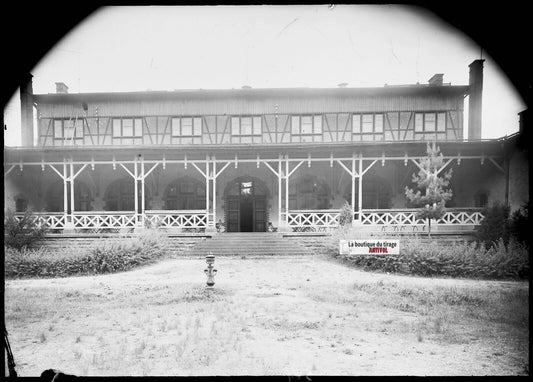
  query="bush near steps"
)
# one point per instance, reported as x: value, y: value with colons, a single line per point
x: 107, y: 256
x: 469, y: 260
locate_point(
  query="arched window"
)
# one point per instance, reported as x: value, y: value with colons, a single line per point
x: 185, y: 193
x: 55, y: 197
x: 377, y: 193
x: 309, y: 193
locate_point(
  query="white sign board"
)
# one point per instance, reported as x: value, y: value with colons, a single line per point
x: 369, y: 247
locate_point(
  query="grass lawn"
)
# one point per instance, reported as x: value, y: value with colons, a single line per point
x: 270, y: 316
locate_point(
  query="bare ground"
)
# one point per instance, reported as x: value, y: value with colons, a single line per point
x: 271, y: 316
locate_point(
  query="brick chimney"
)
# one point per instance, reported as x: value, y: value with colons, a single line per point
x: 436, y: 80
x: 61, y: 88
x: 26, y: 111
x: 475, y: 91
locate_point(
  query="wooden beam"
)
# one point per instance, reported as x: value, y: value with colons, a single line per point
x: 346, y: 168
x: 199, y: 170
x: 79, y: 171
x: 368, y: 168
x: 9, y: 170
x: 270, y: 167
x: 217, y: 173
x: 133, y: 175
x: 294, y: 169
x: 57, y: 171
x: 444, y: 165
x: 151, y: 169
x: 497, y: 165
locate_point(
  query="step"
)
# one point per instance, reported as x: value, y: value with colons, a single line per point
x: 248, y: 243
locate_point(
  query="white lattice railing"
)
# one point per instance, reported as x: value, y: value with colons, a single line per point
x: 313, y: 220
x: 461, y: 217
x: 407, y: 217
x: 390, y: 217
x: 50, y: 220
x: 187, y: 219
x: 399, y: 219
x: 105, y: 220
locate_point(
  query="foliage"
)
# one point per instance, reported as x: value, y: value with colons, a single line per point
x: 494, y: 226
x: 107, y: 256
x: 346, y: 215
x: 430, y: 258
x: 432, y: 190
x: 519, y: 225
x: 21, y: 232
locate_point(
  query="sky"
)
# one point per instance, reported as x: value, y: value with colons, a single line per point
x: 222, y: 47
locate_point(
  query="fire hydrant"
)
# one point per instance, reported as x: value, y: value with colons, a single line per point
x: 210, y: 271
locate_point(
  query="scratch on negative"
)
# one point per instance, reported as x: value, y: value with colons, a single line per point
x: 286, y: 26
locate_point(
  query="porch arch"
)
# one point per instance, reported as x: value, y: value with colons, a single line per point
x: 309, y: 192
x: 185, y: 193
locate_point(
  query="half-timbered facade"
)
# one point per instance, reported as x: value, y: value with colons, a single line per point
x: 251, y: 159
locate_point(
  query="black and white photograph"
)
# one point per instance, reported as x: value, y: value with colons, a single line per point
x: 265, y: 190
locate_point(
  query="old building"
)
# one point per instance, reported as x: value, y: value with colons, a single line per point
x: 255, y: 159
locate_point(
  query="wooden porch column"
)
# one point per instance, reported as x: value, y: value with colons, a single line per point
x: 214, y: 177
x: 353, y: 174
x: 143, y: 206
x: 287, y: 189
x: 136, y: 190
x: 65, y: 190
x: 210, y: 224
x: 360, y: 190
x: 71, y: 188
x: 280, y: 179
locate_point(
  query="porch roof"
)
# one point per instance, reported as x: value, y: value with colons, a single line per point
x: 493, y: 147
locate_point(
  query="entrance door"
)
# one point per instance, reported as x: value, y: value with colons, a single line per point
x: 232, y: 214
x: 246, y: 215
x: 260, y: 214
x: 246, y: 206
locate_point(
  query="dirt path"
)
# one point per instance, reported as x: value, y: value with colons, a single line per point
x: 272, y: 316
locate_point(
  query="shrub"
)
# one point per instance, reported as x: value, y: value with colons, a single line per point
x: 108, y: 256
x: 494, y: 226
x: 346, y: 215
x: 429, y: 258
x: 23, y: 231
x: 519, y: 225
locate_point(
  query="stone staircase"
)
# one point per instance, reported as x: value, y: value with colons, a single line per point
x: 248, y: 244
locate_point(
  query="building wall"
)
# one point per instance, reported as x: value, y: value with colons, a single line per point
x: 275, y: 113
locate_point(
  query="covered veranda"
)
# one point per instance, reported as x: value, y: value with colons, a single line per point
x: 209, y: 165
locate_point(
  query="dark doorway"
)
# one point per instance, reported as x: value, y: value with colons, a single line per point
x: 246, y: 206
x: 247, y: 216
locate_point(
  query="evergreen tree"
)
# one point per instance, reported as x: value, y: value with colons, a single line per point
x: 431, y: 192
